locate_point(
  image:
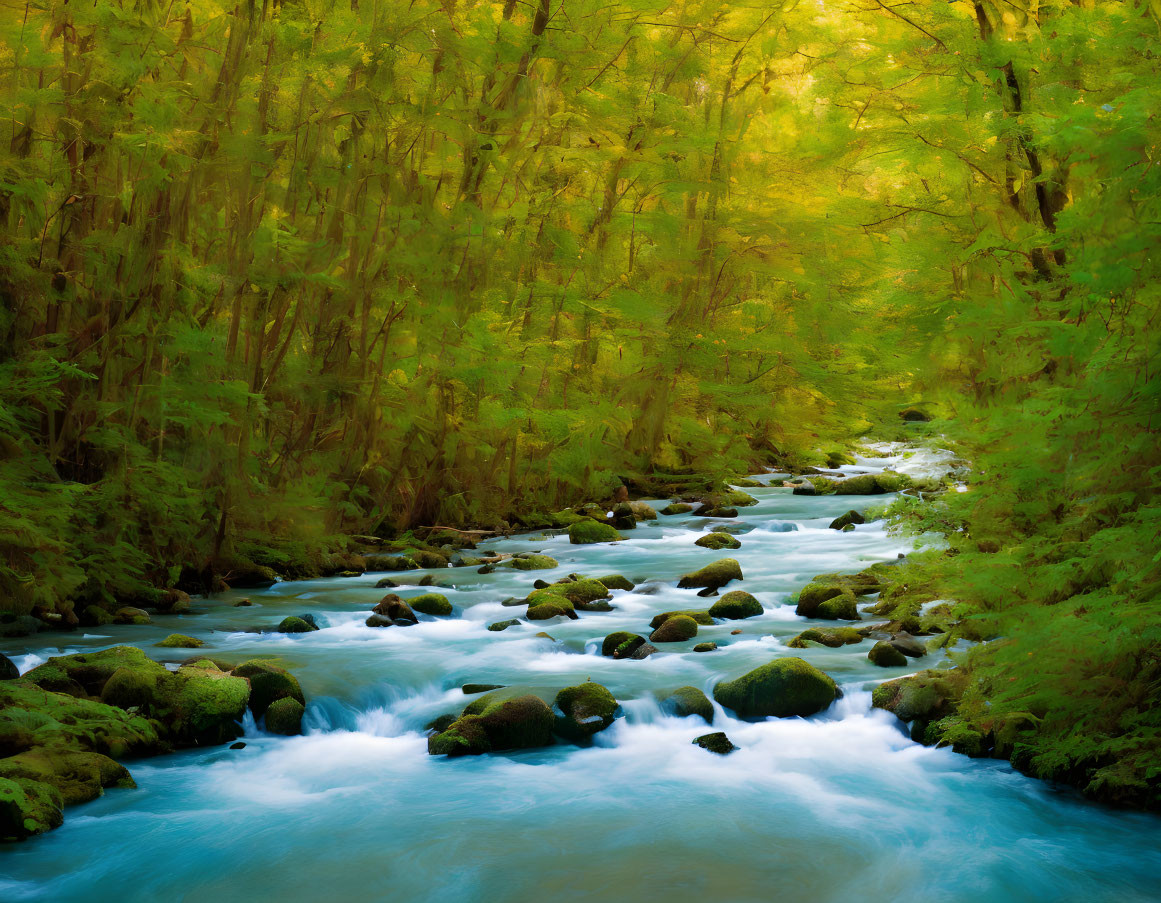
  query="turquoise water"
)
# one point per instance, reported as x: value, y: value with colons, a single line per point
x: 838, y: 807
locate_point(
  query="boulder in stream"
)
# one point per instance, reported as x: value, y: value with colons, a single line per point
x: 831, y: 637
x: 268, y: 684
x: 886, y: 656
x: 621, y: 644
x: 689, y: 701
x: 295, y: 625
x: 530, y: 561
x: 616, y: 581
x: 284, y: 716
x: 701, y: 616
x: 431, y: 604
x: 489, y: 725
x: 677, y: 508
x: 716, y: 742
x: 584, y: 710
x: 180, y: 641
x: 785, y: 687
x: 713, y: 576
x: 395, y: 610
x: 717, y: 541
x: 586, y: 532
x: 847, y: 520
x: 503, y: 625
x: 676, y: 629
x: 736, y: 605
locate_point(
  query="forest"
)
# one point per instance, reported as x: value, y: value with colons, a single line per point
x: 282, y: 278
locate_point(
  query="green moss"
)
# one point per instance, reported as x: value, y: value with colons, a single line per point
x: 585, y: 710
x: 717, y: 541
x: 431, y: 604
x: 784, y: 687
x: 686, y: 701
x: 28, y: 808
x: 842, y: 607
x: 701, y: 616
x: 84, y: 674
x: 180, y: 641
x: 736, y: 605
x: 713, y: 575
x: 928, y: 695
x: 831, y: 637
x: 202, y: 707
x: 677, y: 508
x: 295, y: 626
x: 78, y: 776
x: 489, y: 724
x: 503, y: 625
x: 614, y: 640
x: 586, y: 532
x: 284, y: 716
x: 886, y: 656
x: 268, y: 683
x: 676, y: 629
x: 530, y: 562
x: 717, y: 743
x: 705, y: 647
x: 616, y: 581
x: 97, y: 616
x: 737, y: 498
x: 549, y: 605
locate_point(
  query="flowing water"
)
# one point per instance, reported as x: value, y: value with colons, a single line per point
x: 837, y: 807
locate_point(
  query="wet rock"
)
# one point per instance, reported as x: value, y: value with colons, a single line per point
x: 641, y: 652
x: 503, y: 625
x: 804, y: 488
x: 846, y: 520
x: 717, y: 541
x: 587, y: 532
x: 427, y: 558
x: 310, y: 619
x: 689, y: 701
x: 872, y: 484
x: 247, y: 575
x: 716, y: 743
x: 284, y: 716
x: 825, y: 587
x: 386, y: 583
x: 621, y: 642
x: 927, y: 695
x: 623, y: 517
x: 705, y: 647
x: 86, y: 673
x: 908, y: 645
x: 584, y: 710
x: 441, y: 723
x: 529, y: 561
x: 28, y: 808
x: 713, y: 576
x: 92, y: 616
x: 886, y: 656
x: 431, y: 604
x: 374, y: 620
x: 8, y: 669
x: 702, y: 617
x: 395, y: 610
x: 295, y: 625
x: 268, y: 684
x: 616, y: 581
x: 238, y: 745
x: 838, y: 459
x: 723, y: 511
x: 642, y: 511
x: 677, y: 508
x: 129, y: 615
x: 735, y: 605
x: 549, y: 605
x: 831, y: 637
x: 242, y: 603
x: 784, y: 688
x: 180, y: 641
x: 469, y: 689
x: 676, y: 629
x: 521, y: 723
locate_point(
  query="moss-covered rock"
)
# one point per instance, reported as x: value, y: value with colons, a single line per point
x: 79, y: 776
x: 928, y: 695
x: 31, y: 717
x: 689, y: 701
x: 285, y: 717
x: 130, y: 615
x: 431, y: 604
x: 268, y: 683
x: 831, y: 637
x: 701, y: 616
x: 838, y: 459
x: 581, y: 590
x: 677, y: 508
x: 95, y: 616
x: 886, y: 656
x: 847, y: 520
x: 716, y: 742
x: 586, y: 532
x: 616, y: 581
x: 713, y: 576
x: 202, y: 706
x: 391, y: 563
x: 872, y: 484
x: 28, y: 808
x: 721, y: 511
x: 736, y: 498
x: 523, y: 722
x: 584, y: 710
x: 427, y: 558
x: 134, y: 687
x: 842, y: 607
x: 295, y: 625
x: 529, y: 561
x: 736, y: 605
x: 676, y: 629
x: 549, y: 605
x: 784, y: 688
x: 503, y: 625
x: 642, y: 511
x: 829, y: 586
x: 180, y: 641
x: 86, y: 673
x: 622, y: 638
x: 717, y: 541
x: 705, y: 647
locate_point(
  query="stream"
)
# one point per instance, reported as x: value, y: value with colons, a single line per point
x: 836, y: 807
